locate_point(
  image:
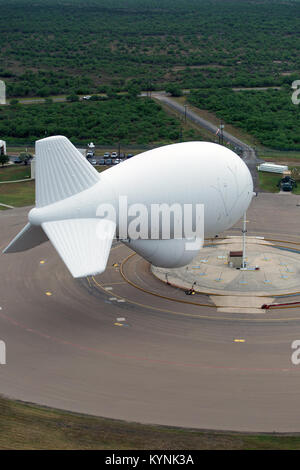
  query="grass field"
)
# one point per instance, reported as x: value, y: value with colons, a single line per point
x: 23, y: 193
x: 26, y: 426
x: 12, y: 173
x: 268, y: 182
x: 17, y: 194
x: 283, y: 158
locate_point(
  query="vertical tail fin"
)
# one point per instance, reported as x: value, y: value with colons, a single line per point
x: 83, y: 244
x: 61, y: 171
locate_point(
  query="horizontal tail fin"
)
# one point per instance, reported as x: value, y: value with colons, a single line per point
x: 83, y: 244
x: 61, y: 171
x: 29, y: 237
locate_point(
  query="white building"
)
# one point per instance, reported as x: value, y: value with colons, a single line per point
x: 272, y: 168
x: 2, y: 147
x: 2, y: 92
x: 32, y: 168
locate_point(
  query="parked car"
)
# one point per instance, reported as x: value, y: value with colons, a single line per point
x: 108, y: 161
x: 87, y: 97
x: 101, y: 161
x: 116, y: 161
x: 129, y: 155
x: 106, y: 155
x: 114, y: 154
x: 90, y: 154
x: 287, y: 183
x: 94, y: 162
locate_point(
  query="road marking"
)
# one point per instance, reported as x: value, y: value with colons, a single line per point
x: 118, y: 324
x: 239, y: 340
x: 120, y: 300
x: 108, y: 288
x: 121, y: 319
x: 48, y: 293
x: 42, y: 262
x: 6, y: 205
x: 160, y: 309
x: 112, y: 298
x: 114, y: 283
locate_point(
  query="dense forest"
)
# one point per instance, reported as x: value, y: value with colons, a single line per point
x: 68, y: 47
x: 61, y: 46
x: 122, y: 119
x: 269, y: 115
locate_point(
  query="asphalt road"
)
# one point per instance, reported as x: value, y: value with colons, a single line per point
x: 102, y: 346
x: 247, y: 152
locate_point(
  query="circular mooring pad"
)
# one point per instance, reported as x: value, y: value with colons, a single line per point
x: 272, y: 270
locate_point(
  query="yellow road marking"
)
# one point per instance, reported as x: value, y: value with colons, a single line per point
x: 42, y: 262
x: 118, y: 324
x: 48, y: 293
x: 239, y: 340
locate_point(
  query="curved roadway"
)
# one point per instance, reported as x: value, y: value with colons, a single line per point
x: 104, y: 347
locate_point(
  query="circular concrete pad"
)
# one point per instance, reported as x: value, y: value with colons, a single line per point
x: 210, y: 272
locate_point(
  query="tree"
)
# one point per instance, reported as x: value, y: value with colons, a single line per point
x: 4, y: 159
x: 73, y: 97
x: 173, y: 89
x: 14, y: 102
x: 95, y: 98
x: 134, y: 90
x: 25, y: 157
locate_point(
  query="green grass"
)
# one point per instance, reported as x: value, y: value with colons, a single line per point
x: 101, y: 168
x: 21, y: 194
x: 17, y: 194
x: 27, y: 426
x: 280, y: 157
x: 14, y: 172
x: 283, y: 158
x: 268, y: 182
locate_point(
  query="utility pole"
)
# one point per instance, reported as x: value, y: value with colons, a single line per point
x: 244, y: 231
x: 185, y: 107
x: 221, y: 134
